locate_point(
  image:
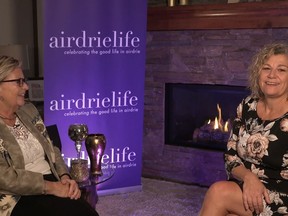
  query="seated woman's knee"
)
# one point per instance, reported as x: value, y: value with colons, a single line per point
x: 220, y: 189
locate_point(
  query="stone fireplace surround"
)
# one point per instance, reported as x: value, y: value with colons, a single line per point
x: 200, y: 55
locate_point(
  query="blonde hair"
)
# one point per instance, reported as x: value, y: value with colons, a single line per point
x: 259, y: 60
x: 7, y: 65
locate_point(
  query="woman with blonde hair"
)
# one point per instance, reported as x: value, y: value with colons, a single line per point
x: 34, y: 180
x: 256, y: 158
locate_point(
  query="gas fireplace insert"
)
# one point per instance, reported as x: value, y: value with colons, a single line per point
x: 200, y: 115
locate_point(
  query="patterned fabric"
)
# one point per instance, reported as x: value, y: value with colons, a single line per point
x: 15, y: 180
x: 262, y: 147
x: 33, y: 153
x: 7, y: 203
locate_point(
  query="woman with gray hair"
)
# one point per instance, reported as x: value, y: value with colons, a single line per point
x: 34, y: 180
x: 256, y: 158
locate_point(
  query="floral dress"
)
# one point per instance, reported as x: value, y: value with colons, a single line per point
x: 261, y: 146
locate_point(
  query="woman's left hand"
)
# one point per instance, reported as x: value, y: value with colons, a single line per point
x: 253, y: 193
x: 74, y: 191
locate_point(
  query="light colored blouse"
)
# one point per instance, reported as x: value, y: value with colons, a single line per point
x: 33, y: 153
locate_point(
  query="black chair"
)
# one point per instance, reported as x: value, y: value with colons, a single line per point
x: 54, y: 135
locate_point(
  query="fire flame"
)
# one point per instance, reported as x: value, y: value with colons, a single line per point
x: 226, y: 128
x: 218, y: 121
x: 216, y: 124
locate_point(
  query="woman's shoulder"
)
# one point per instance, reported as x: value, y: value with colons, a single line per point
x: 250, y: 99
x: 249, y: 104
x: 29, y: 108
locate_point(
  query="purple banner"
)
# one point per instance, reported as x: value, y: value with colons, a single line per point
x: 94, y: 65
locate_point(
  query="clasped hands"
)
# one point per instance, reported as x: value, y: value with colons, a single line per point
x: 66, y: 188
x: 254, y: 194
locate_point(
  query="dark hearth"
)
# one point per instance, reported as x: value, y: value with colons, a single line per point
x: 199, y: 115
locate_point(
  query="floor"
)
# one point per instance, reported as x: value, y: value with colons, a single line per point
x: 157, y: 198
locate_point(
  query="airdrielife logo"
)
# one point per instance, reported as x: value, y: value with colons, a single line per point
x: 117, y: 39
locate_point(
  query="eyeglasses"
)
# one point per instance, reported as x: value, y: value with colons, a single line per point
x: 19, y: 81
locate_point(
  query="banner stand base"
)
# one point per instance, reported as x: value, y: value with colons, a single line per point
x: 119, y: 190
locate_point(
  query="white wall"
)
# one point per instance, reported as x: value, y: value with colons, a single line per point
x: 16, y: 27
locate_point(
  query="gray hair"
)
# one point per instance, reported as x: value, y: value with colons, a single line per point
x: 7, y: 65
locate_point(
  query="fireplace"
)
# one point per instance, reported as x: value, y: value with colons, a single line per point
x: 200, y: 115
x: 199, y: 44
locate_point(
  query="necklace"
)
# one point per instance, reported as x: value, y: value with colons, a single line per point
x: 3, y: 117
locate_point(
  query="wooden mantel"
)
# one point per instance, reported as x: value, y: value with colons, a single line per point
x: 219, y: 16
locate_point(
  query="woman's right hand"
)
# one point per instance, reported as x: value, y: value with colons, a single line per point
x: 57, y: 189
x: 253, y: 193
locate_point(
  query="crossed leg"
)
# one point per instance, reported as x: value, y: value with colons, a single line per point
x: 224, y: 198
